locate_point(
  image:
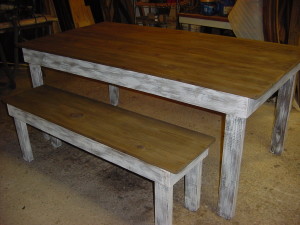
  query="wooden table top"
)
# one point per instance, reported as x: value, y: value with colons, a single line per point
x: 242, y: 67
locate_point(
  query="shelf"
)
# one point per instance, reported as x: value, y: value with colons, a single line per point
x: 200, y: 16
x: 162, y: 5
x: 202, y: 20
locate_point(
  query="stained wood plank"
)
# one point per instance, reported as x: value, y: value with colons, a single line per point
x: 82, y: 14
x: 167, y: 146
x: 193, y: 58
x: 191, y: 94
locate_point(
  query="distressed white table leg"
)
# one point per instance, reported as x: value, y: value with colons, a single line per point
x: 55, y: 142
x: 24, y: 141
x: 193, y: 188
x: 113, y: 95
x: 47, y: 136
x: 163, y: 204
x: 36, y: 75
x: 283, y: 108
x: 231, y: 164
x: 37, y: 80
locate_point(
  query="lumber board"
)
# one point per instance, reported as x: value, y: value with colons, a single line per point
x: 82, y: 14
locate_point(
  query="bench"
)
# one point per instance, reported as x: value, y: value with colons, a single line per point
x: 159, y: 151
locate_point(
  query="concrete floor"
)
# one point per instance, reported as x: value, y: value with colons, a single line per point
x: 70, y: 187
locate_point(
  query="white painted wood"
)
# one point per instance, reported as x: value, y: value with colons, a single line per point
x: 254, y: 104
x: 113, y: 95
x: 24, y: 141
x: 204, y: 22
x: 93, y: 147
x: 55, y: 142
x: 163, y: 204
x: 128, y: 162
x: 163, y: 179
x: 193, y: 188
x: 234, y: 106
x: 36, y: 75
x: 47, y: 136
x: 179, y: 91
x: 38, y: 80
x: 283, y: 108
x: 207, y: 98
x: 237, y: 108
x: 231, y: 163
x: 176, y: 177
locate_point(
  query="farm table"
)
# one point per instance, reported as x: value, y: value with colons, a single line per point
x: 223, y: 74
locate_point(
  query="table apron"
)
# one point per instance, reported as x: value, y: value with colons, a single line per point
x: 179, y: 91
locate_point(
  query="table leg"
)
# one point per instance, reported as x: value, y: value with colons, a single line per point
x: 283, y: 107
x: 113, y: 95
x: 37, y: 80
x: 231, y: 163
x: 36, y: 75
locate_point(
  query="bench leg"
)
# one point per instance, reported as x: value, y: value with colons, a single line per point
x: 193, y: 187
x: 163, y: 204
x: 24, y: 141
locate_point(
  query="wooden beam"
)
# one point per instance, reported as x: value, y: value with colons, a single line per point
x: 82, y: 15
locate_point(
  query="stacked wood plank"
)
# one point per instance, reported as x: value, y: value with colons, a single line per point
x: 81, y: 14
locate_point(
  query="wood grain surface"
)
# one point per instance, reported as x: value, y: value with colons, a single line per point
x: 242, y: 67
x: 155, y: 142
x: 81, y: 13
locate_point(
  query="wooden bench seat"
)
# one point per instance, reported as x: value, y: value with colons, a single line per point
x: 159, y: 151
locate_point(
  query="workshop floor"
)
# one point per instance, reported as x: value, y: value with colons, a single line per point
x: 70, y: 187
